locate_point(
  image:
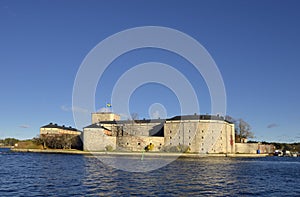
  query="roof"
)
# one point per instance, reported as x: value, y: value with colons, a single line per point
x: 197, y: 117
x: 51, y: 125
x: 184, y: 117
x: 97, y: 125
x: 135, y: 121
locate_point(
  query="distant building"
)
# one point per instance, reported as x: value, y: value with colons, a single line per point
x: 54, y: 129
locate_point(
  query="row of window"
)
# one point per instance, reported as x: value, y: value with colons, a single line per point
x: 191, y: 144
x: 137, y: 144
x: 201, y: 131
x: 201, y: 137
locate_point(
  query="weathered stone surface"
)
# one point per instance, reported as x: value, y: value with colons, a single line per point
x: 138, y: 143
x: 251, y: 148
x: 202, y: 136
x: 96, y: 140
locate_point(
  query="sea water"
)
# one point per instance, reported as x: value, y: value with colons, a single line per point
x: 37, y: 174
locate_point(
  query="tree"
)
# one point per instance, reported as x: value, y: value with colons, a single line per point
x: 9, y: 141
x: 134, y: 116
x: 242, y: 128
x: 59, y: 141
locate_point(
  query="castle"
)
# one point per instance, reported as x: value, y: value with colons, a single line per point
x: 199, y: 133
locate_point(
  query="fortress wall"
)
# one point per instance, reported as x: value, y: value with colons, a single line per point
x: 95, y: 140
x: 141, y: 129
x: 138, y: 143
x: 246, y: 147
x: 253, y: 147
x: 204, y: 136
x: 266, y: 148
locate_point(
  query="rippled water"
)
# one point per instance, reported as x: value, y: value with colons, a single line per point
x: 34, y: 174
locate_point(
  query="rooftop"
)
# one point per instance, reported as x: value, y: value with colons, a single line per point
x: 183, y: 117
x: 197, y: 117
x: 51, y: 125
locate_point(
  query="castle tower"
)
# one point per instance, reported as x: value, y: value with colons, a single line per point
x: 104, y: 116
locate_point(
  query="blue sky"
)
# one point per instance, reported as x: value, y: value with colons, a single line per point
x: 255, y: 45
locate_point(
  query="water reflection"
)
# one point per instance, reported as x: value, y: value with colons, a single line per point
x: 204, y: 176
x: 131, y: 163
x: 184, y: 175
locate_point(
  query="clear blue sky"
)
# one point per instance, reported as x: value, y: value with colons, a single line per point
x: 254, y: 43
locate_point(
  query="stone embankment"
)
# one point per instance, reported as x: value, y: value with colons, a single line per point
x: 154, y: 154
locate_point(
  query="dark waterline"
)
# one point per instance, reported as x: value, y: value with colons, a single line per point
x: 35, y: 174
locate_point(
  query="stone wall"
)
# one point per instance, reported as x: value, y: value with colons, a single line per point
x: 46, y: 131
x: 104, y: 116
x: 251, y: 148
x: 142, y: 129
x: 94, y: 139
x: 135, y: 129
x: 138, y: 143
x: 202, y: 136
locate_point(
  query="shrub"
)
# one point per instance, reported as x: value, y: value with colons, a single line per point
x: 149, y: 147
x: 109, y: 148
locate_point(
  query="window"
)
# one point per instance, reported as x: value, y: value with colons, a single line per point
x: 202, y: 137
x: 127, y: 143
x: 202, y: 131
x: 139, y: 143
x: 170, y: 137
x: 170, y: 131
x: 189, y: 143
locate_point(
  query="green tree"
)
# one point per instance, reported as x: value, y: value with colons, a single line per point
x: 59, y: 141
x: 10, y: 141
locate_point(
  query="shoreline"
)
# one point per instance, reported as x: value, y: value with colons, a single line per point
x: 137, y: 154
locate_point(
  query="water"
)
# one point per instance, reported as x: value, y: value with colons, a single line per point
x: 34, y: 174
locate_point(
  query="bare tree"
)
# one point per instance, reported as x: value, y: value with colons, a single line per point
x: 134, y: 116
x: 242, y: 128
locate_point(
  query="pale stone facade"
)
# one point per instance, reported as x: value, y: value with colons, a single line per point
x: 104, y: 116
x: 201, y: 133
x: 202, y: 136
x: 94, y: 139
x: 54, y: 129
x: 252, y: 148
x: 138, y: 143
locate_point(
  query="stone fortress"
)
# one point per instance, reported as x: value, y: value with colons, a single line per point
x: 200, y: 133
